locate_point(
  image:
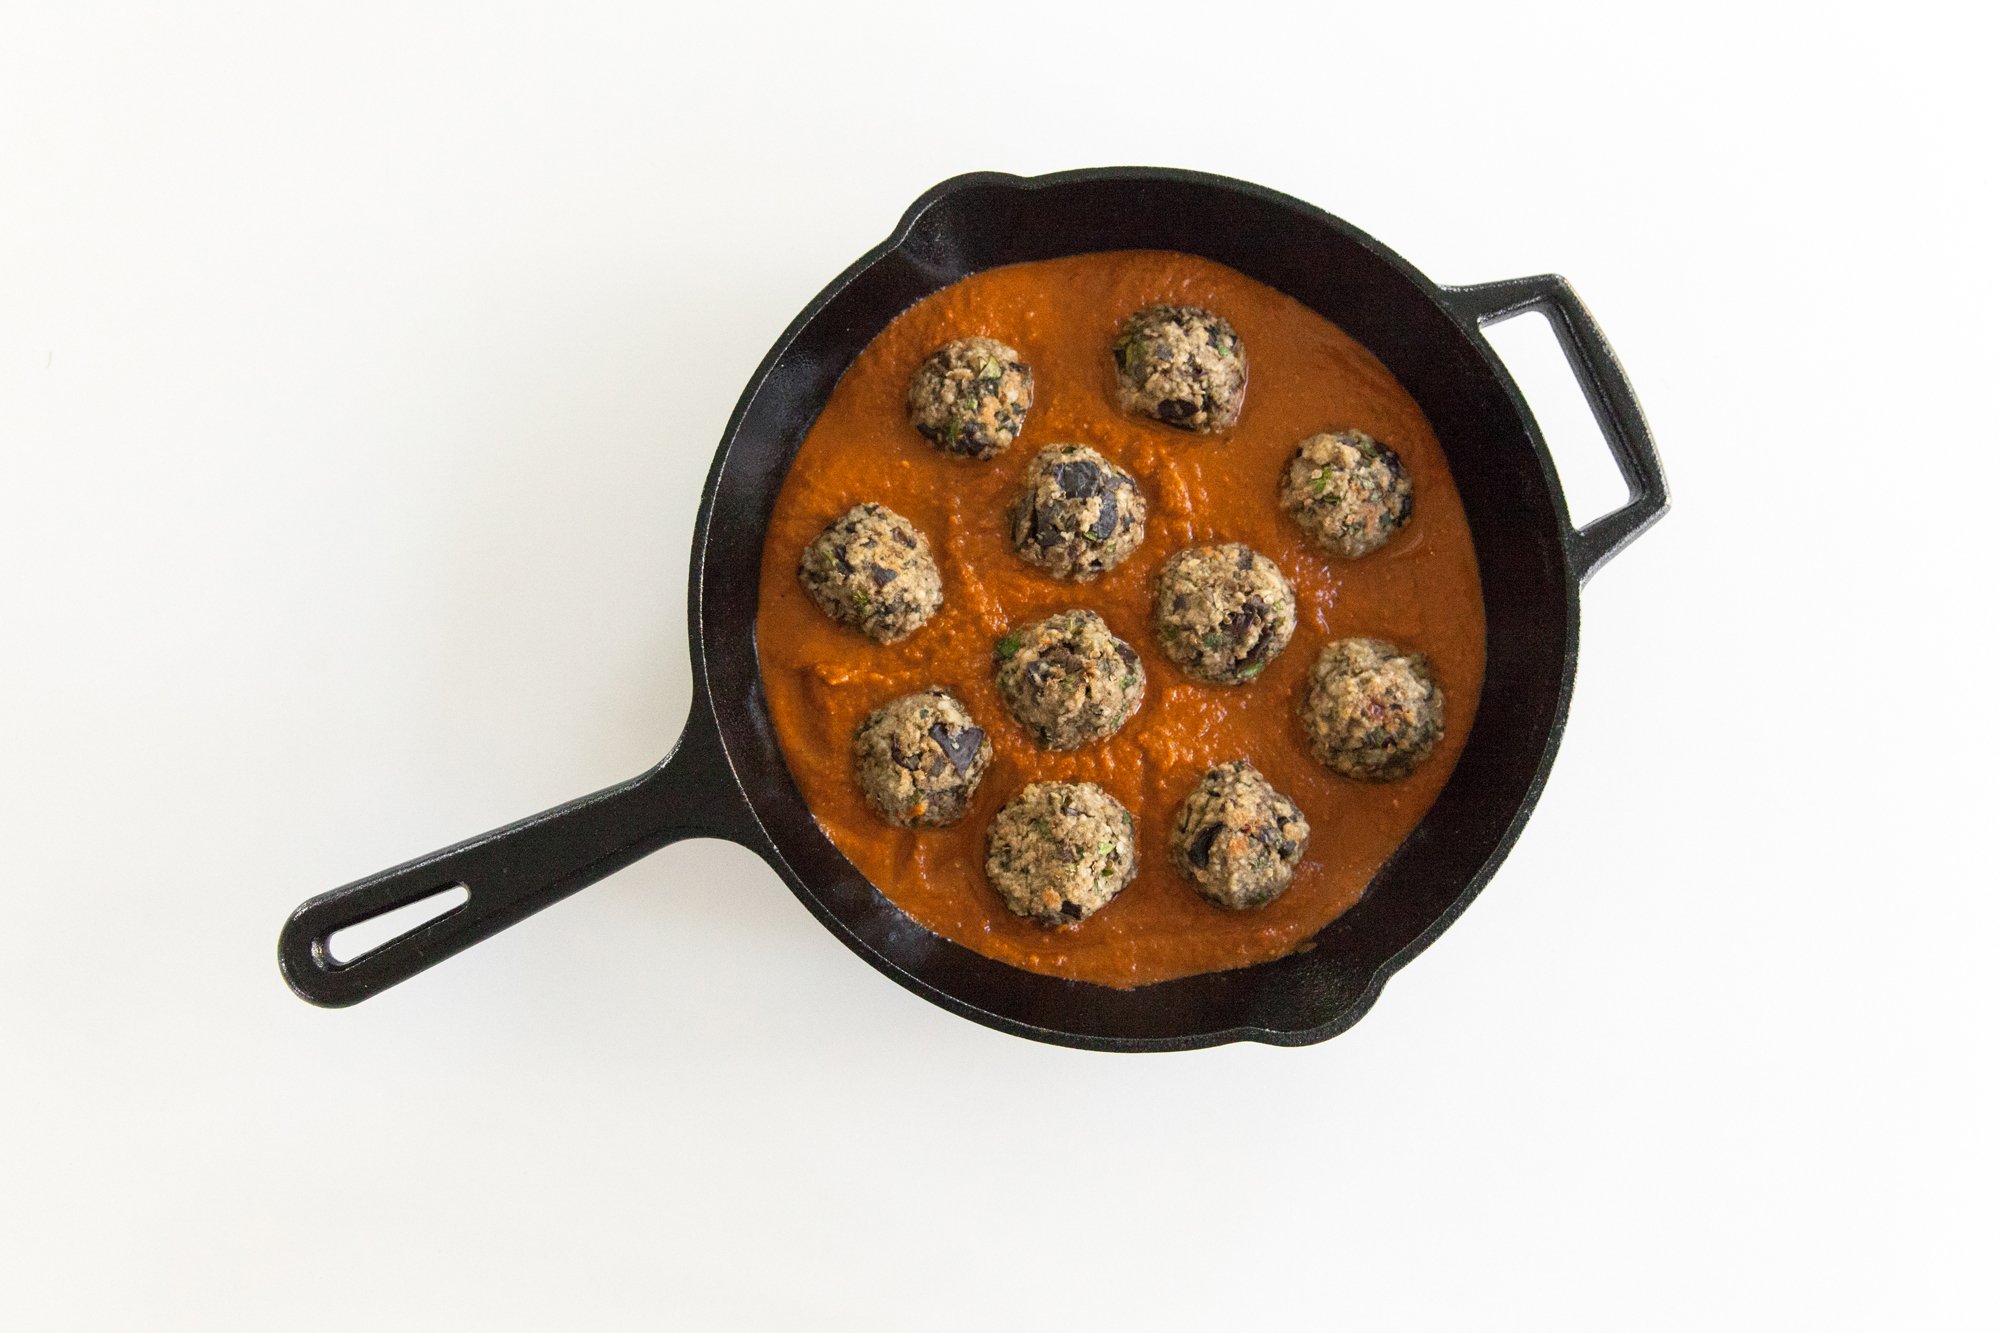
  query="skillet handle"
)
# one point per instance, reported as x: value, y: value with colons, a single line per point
x: 516, y: 871
x: 1604, y: 387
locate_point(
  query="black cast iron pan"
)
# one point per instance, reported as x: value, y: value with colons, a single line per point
x: 727, y: 779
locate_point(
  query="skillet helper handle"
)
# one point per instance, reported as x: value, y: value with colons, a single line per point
x: 1604, y: 387
x: 513, y: 872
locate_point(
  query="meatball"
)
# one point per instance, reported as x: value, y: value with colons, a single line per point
x: 919, y: 759
x: 1078, y: 513
x: 1238, y: 838
x: 1223, y: 612
x: 1349, y: 490
x: 971, y: 396
x: 872, y: 570
x: 1371, y: 710
x: 1068, y: 679
x: 1181, y: 365
x: 1060, y: 851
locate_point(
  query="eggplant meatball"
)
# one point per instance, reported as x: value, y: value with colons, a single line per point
x: 1059, y: 851
x: 919, y: 759
x: 1068, y: 679
x: 971, y: 396
x: 1078, y: 514
x: 1349, y: 490
x: 1181, y: 365
x: 1238, y: 838
x: 1371, y: 710
x: 1223, y: 612
x: 871, y: 570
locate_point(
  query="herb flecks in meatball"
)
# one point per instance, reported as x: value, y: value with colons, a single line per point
x: 1078, y: 514
x: 1223, y: 612
x: 919, y: 759
x: 1372, y: 711
x: 971, y: 396
x: 1348, y: 490
x: 1060, y: 851
x: 871, y: 570
x: 1238, y: 838
x: 1068, y: 679
x: 1181, y: 365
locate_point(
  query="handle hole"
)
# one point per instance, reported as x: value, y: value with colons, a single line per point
x: 364, y: 937
x: 1591, y: 482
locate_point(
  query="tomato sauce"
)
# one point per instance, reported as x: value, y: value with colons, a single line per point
x: 1421, y: 591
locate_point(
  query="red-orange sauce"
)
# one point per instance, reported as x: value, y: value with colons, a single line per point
x: 1421, y: 591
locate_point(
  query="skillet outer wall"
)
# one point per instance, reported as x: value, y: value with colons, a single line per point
x: 1506, y: 480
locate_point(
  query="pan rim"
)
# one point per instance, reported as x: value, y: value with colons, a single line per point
x: 733, y: 744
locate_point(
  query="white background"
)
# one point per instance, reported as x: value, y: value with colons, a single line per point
x: 359, y: 369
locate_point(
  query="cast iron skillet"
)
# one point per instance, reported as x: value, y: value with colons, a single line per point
x: 727, y: 779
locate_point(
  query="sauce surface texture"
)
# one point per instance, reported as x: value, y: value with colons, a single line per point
x: 1421, y: 591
